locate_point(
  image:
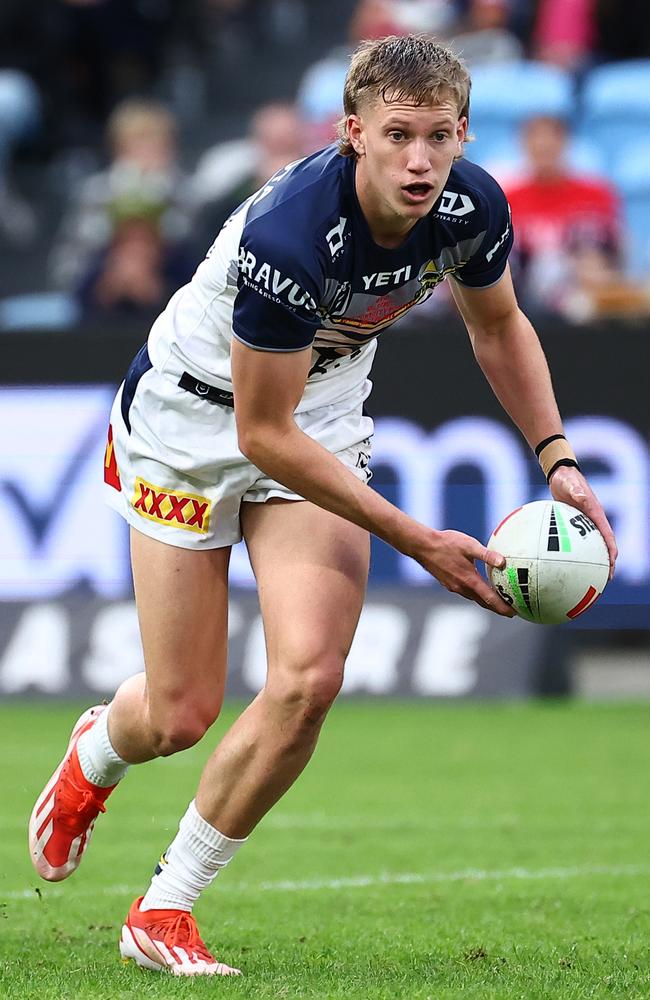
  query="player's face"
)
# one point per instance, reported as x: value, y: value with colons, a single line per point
x: 405, y: 153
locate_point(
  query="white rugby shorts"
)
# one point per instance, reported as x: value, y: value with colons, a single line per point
x: 173, y: 468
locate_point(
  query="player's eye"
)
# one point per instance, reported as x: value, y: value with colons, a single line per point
x: 396, y: 135
x: 440, y: 136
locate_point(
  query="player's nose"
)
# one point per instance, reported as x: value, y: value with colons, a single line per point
x: 418, y: 160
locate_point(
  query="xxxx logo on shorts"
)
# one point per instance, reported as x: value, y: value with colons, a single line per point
x: 179, y: 510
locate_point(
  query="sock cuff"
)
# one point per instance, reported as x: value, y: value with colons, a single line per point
x: 205, y: 841
x: 97, y: 758
x: 103, y: 739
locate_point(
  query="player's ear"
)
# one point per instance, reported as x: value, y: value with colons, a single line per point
x: 461, y: 134
x: 355, y: 134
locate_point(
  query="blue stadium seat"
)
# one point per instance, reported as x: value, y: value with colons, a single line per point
x: 632, y: 178
x: 616, y: 105
x: 505, y: 95
x: 20, y: 106
x: 38, y: 311
x: 320, y: 94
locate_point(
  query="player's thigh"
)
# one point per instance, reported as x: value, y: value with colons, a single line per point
x: 311, y: 569
x: 182, y: 600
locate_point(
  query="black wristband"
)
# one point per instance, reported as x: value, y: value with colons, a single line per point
x: 542, y: 444
x: 568, y: 462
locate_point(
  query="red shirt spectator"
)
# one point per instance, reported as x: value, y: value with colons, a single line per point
x: 559, y: 218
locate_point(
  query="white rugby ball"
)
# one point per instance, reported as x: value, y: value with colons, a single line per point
x: 556, y: 562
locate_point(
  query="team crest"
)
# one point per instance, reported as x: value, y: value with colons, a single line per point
x: 430, y: 275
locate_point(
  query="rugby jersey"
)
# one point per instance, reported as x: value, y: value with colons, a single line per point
x: 295, y: 266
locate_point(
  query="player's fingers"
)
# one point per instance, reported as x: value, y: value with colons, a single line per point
x: 610, y: 542
x: 479, y: 591
x: 594, y: 511
x: 497, y: 607
x: 491, y: 558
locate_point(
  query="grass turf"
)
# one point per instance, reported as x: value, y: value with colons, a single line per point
x: 429, y: 851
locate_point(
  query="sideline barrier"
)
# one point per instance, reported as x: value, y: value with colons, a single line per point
x: 409, y: 643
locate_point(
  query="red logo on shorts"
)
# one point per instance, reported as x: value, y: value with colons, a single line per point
x: 111, y: 471
x: 179, y: 510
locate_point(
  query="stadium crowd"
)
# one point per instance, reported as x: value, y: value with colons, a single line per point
x: 129, y: 132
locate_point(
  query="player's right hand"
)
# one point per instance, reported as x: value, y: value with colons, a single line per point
x: 450, y: 557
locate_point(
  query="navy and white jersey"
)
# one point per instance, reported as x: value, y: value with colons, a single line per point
x: 295, y: 266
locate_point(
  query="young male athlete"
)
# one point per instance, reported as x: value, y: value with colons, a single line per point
x: 243, y: 415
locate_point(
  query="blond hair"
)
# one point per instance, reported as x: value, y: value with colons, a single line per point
x: 402, y: 68
x: 137, y: 116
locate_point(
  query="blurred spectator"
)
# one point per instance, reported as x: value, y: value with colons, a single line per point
x: 230, y: 172
x: 136, y: 274
x: 20, y: 120
x: 567, y: 227
x: 485, y: 37
x: 565, y: 32
x: 142, y: 184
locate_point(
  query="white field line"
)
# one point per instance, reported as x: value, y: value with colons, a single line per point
x: 360, y: 881
x: 464, y: 875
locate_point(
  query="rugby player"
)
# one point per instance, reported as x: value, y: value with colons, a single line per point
x: 243, y: 416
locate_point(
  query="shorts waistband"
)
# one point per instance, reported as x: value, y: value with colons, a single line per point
x: 204, y: 391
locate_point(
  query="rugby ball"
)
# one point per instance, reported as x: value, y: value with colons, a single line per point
x: 556, y: 562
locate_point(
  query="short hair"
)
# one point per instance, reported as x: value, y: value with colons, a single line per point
x: 402, y: 67
x: 137, y: 116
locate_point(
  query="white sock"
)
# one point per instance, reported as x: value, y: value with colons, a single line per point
x: 99, y: 762
x: 190, y: 864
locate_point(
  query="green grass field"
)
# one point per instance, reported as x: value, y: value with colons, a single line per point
x: 432, y: 851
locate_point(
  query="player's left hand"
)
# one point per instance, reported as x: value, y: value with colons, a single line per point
x: 570, y: 486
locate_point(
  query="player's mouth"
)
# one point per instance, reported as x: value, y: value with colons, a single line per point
x: 417, y: 192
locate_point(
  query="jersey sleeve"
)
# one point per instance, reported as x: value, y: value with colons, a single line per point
x: 487, y: 265
x: 278, y: 289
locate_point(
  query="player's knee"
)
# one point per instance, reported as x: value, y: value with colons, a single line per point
x: 181, y: 728
x: 307, y: 694
x: 176, y: 735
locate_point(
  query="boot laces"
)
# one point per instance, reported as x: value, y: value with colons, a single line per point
x: 181, y: 931
x: 90, y: 804
x: 80, y: 808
